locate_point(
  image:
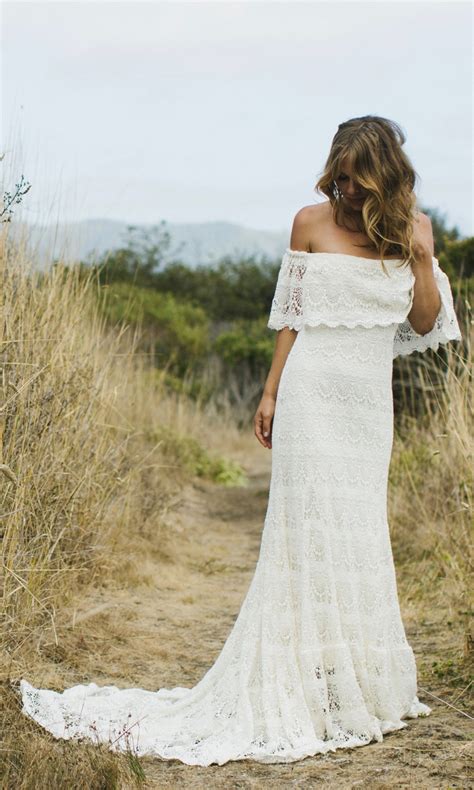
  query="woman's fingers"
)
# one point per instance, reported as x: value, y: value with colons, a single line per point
x: 258, y: 427
x: 267, y: 430
x: 263, y: 428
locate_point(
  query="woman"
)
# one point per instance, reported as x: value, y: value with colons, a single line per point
x: 317, y: 658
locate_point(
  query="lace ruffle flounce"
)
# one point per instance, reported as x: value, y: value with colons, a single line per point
x: 344, y: 290
x: 446, y: 326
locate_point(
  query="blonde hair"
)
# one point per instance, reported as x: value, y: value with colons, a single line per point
x: 373, y: 147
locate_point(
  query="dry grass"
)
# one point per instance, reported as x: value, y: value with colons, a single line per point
x: 432, y: 479
x: 431, y: 517
x: 33, y: 760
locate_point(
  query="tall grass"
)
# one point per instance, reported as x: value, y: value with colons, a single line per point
x: 431, y: 517
x: 94, y: 456
x: 432, y: 474
x: 89, y: 436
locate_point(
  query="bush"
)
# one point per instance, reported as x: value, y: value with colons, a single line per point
x: 176, y: 332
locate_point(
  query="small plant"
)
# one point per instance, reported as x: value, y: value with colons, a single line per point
x: 21, y: 188
x: 188, y: 453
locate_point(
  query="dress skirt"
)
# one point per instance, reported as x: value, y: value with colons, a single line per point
x: 317, y: 658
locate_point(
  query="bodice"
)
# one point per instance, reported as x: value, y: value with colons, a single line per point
x: 338, y: 289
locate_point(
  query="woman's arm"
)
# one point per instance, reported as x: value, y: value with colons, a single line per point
x: 426, y: 299
x: 266, y: 408
x: 284, y: 341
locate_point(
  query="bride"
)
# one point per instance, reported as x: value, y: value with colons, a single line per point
x: 317, y: 658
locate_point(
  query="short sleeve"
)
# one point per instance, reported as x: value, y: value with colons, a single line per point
x: 287, y: 304
x: 446, y: 326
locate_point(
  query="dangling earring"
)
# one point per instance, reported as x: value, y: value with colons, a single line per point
x: 336, y: 191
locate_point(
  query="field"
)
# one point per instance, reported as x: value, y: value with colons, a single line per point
x: 132, y: 516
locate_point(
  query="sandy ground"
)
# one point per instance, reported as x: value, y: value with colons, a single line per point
x: 166, y: 624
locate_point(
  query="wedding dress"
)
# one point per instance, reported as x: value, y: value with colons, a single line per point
x: 317, y: 658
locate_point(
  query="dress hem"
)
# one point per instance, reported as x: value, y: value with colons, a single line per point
x: 309, y: 748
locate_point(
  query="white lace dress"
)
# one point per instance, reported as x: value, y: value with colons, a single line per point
x: 317, y: 658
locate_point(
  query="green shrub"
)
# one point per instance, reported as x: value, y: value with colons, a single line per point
x: 188, y: 453
x: 249, y: 342
x: 177, y: 332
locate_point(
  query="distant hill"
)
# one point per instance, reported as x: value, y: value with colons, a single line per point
x: 192, y: 243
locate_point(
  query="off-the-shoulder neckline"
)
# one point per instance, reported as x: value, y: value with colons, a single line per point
x: 341, y: 255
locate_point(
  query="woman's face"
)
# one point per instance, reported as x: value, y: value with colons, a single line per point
x: 353, y: 195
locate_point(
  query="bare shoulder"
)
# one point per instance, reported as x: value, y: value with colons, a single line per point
x: 423, y: 230
x: 304, y: 223
x: 422, y: 220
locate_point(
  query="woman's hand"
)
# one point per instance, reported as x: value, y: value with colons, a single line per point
x: 263, y: 420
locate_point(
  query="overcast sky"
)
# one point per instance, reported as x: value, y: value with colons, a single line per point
x: 201, y: 111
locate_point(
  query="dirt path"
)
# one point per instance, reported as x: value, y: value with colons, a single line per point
x: 168, y: 626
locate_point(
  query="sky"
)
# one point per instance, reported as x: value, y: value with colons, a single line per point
x: 197, y: 111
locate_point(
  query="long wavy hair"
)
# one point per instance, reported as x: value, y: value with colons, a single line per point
x: 373, y: 147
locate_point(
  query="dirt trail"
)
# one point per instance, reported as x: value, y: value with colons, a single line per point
x: 167, y: 625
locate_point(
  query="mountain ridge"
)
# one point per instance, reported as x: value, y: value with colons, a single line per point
x: 193, y: 243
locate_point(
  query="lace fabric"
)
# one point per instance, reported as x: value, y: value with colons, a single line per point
x: 446, y: 326
x: 332, y: 289
x: 317, y: 658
